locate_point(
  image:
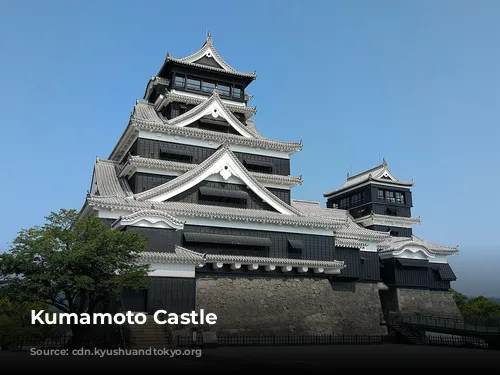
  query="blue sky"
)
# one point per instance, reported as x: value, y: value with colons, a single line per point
x: 415, y: 82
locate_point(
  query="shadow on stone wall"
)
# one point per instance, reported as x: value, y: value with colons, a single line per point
x: 290, y: 305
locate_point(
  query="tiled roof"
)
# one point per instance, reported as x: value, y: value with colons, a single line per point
x: 388, y: 220
x: 145, y: 117
x: 345, y: 242
x: 179, y: 256
x: 214, y: 212
x: 138, y: 161
x: 350, y: 231
x: 208, y: 50
x: 125, y: 200
x: 108, y: 184
x: 151, y: 213
x: 152, y: 82
x: 380, y: 173
x: 183, y: 255
x: 399, y: 243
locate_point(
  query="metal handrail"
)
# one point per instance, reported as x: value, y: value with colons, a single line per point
x: 452, y: 323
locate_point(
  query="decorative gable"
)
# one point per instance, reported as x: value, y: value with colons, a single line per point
x: 223, y: 165
x: 208, y: 60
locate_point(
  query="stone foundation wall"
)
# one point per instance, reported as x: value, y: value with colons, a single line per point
x: 428, y: 302
x: 290, y: 305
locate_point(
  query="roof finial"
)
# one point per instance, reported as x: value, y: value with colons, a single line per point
x: 209, y: 36
x: 347, y: 177
x: 384, y: 163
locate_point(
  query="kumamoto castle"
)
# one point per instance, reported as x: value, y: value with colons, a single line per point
x: 213, y: 196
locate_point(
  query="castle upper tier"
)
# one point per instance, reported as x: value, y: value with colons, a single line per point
x: 213, y: 196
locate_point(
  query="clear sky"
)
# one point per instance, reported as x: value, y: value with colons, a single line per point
x: 416, y: 82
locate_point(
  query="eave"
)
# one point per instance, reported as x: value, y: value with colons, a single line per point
x: 153, y: 81
x: 130, y: 135
x: 180, y: 209
x: 397, y: 221
x: 169, y: 59
x: 185, y: 256
x: 368, y: 180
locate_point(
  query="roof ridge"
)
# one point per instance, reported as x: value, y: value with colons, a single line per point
x: 208, y: 50
x: 365, y: 172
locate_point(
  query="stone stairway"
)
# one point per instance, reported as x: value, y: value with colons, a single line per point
x: 405, y: 330
x: 148, y: 335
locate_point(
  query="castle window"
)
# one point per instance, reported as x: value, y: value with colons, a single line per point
x: 357, y: 199
x: 389, y: 196
x: 180, y: 81
x: 400, y: 198
x: 207, y: 87
x: 344, y: 202
x: 237, y: 91
x: 176, y: 155
x: 394, y: 233
x: 380, y: 195
x: 295, y: 248
x: 224, y: 90
x: 194, y: 84
x: 258, y: 166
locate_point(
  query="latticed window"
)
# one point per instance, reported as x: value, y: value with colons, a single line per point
x: 224, y: 90
x: 180, y: 81
x: 237, y: 92
x: 380, y: 195
x: 389, y: 196
x: 400, y: 198
x: 194, y: 84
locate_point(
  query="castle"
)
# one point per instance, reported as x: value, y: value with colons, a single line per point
x: 213, y: 196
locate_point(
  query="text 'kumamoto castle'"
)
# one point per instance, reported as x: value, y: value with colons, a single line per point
x: 213, y: 195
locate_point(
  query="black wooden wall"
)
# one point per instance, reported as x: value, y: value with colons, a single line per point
x: 140, y: 182
x: 159, y: 239
x: 315, y: 247
x: 417, y: 273
x: 149, y: 148
x: 360, y: 264
x: 174, y: 294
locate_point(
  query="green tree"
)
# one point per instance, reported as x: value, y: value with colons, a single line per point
x: 15, y: 318
x: 479, y: 309
x: 78, y: 265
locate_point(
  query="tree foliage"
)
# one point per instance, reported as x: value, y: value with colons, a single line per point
x: 15, y: 318
x: 477, y: 308
x: 78, y: 265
